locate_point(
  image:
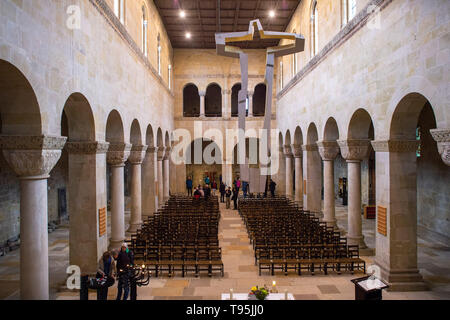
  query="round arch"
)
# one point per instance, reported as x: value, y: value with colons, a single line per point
x: 259, y: 100
x: 191, y: 101
x: 135, y: 133
x: 213, y: 100
x: 114, y: 128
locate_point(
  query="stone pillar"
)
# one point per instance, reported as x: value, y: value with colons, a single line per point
x: 160, y: 158
x: 297, y: 152
x: 202, y: 103
x: 86, y: 181
x: 149, y: 186
x: 442, y: 137
x: 396, y: 193
x: 166, y: 172
x: 136, y: 158
x: 354, y: 151
x: 250, y: 103
x: 281, y: 176
x: 225, y: 99
x: 312, y: 178
x: 118, y: 153
x: 328, y: 151
x: 289, y: 172
x: 32, y: 158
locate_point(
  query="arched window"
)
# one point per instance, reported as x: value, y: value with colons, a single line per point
x: 314, y: 29
x: 119, y: 10
x: 259, y: 100
x: 348, y: 8
x: 191, y: 101
x: 294, y: 62
x: 213, y: 101
x: 144, y: 30
x: 159, y: 54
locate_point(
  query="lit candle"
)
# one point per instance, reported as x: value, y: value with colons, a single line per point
x: 285, y: 294
x: 231, y: 294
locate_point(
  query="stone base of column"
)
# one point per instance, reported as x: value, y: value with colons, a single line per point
x: 134, y: 227
x: 331, y: 223
x: 356, y: 240
x: 115, y: 244
x: 403, y: 280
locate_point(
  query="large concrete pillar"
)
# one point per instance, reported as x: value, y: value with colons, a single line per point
x: 312, y: 178
x: 118, y: 153
x: 86, y: 181
x: 160, y: 158
x: 166, y: 174
x: 289, y: 172
x: 354, y: 151
x: 202, y: 103
x: 32, y: 158
x: 297, y: 153
x: 149, y: 181
x: 137, y: 155
x: 328, y: 151
x: 396, y: 198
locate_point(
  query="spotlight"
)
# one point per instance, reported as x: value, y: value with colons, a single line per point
x: 271, y: 13
x: 188, y: 35
x: 182, y: 14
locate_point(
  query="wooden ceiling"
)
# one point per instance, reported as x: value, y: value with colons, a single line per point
x: 206, y: 17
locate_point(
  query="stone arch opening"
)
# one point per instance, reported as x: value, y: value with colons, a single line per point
x: 235, y: 99
x: 259, y: 100
x: 204, y: 161
x: 313, y: 172
x: 213, y: 101
x: 191, y: 101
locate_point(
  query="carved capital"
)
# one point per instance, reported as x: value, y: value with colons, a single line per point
x: 118, y: 153
x: 32, y: 157
x: 250, y: 93
x: 151, y: 150
x: 167, y: 153
x: 87, y: 147
x: 202, y: 93
x: 328, y: 150
x: 395, y: 145
x: 309, y: 147
x: 297, y: 150
x: 442, y: 137
x: 354, y: 150
x: 160, y: 153
x: 287, y: 151
x: 137, y: 154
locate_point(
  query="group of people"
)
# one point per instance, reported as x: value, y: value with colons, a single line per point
x: 112, y: 265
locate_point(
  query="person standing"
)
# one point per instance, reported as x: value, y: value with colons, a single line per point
x: 245, y: 188
x: 207, y: 181
x: 125, y: 261
x: 222, y: 192
x: 235, y: 198
x: 214, y: 187
x: 207, y: 192
x: 189, y: 186
x: 272, y: 187
x: 238, y: 184
x: 106, y: 269
x: 197, y: 194
x: 228, y: 196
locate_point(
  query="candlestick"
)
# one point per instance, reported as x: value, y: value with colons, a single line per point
x: 231, y: 294
x: 285, y: 294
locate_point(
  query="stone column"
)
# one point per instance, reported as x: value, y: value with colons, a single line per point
x: 396, y: 235
x: 117, y: 154
x: 86, y: 181
x: 225, y: 99
x: 354, y: 151
x: 328, y: 151
x: 32, y: 158
x: 166, y: 172
x: 297, y: 152
x: 202, y: 103
x: 442, y: 137
x: 160, y: 158
x: 289, y: 172
x: 281, y: 175
x: 250, y: 103
x: 149, y: 186
x: 136, y: 158
x: 312, y: 178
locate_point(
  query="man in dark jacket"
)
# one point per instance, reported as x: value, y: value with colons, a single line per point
x: 235, y: 197
x: 189, y: 186
x: 207, y: 192
x: 222, y: 192
x: 125, y: 260
x: 272, y: 187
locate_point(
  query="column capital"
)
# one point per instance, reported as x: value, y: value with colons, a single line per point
x: 137, y: 154
x: 297, y: 150
x: 151, y: 149
x: 32, y: 157
x: 403, y: 146
x: 202, y: 93
x: 328, y: 150
x: 442, y: 137
x: 310, y: 147
x: 354, y: 150
x: 250, y: 93
x: 118, y: 153
x: 160, y: 153
x: 87, y: 147
x: 167, y: 153
x: 287, y: 151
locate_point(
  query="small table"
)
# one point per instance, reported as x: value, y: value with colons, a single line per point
x: 244, y: 296
x: 369, y: 288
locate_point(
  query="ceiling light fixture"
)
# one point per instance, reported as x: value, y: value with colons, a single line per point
x: 182, y: 14
x: 271, y: 13
x: 188, y: 35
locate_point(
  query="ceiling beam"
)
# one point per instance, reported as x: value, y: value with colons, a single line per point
x: 199, y: 15
x: 236, y: 15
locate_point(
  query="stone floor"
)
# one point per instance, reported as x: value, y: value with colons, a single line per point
x: 240, y: 272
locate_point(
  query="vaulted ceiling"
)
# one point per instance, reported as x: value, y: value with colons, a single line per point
x: 206, y: 17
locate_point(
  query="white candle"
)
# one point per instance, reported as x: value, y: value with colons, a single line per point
x: 285, y: 294
x: 231, y: 294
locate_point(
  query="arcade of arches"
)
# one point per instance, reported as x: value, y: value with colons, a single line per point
x: 87, y: 122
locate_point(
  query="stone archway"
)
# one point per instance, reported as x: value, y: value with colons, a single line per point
x: 209, y: 164
x: 312, y: 172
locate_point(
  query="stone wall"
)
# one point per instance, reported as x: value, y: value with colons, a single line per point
x: 9, y: 202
